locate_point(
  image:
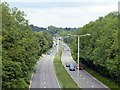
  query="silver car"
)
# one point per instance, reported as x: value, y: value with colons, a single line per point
x: 72, y: 67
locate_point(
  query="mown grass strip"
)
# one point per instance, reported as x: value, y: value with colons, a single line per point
x: 108, y: 82
x: 64, y: 79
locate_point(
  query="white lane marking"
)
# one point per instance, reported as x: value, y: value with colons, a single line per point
x: 44, y: 82
x: 80, y: 75
x: 92, y: 86
x: 33, y: 74
x: 63, y: 54
x: 44, y: 87
x: 96, y: 79
x: 83, y: 78
x: 87, y: 81
x: 31, y: 81
x: 44, y: 78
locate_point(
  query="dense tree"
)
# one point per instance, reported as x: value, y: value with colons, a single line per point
x: 21, y: 48
x: 100, y: 50
x: 36, y: 28
x: 60, y: 31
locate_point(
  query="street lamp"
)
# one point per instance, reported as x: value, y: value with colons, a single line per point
x: 78, y: 47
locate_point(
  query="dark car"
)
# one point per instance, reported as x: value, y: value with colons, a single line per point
x: 48, y: 53
x: 67, y: 64
x: 68, y: 50
x: 79, y: 67
x: 72, y: 67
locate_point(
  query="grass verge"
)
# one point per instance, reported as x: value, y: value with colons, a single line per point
x: 108, y: 82
x: 64, y: 79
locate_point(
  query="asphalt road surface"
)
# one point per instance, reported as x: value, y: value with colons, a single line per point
x: 44, y: 76
x: 81, y: 77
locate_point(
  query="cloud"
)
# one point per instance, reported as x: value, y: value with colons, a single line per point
x: 61, y: 0
x: 74, y: 17
x: 46, y: 5
x: 64, y: 13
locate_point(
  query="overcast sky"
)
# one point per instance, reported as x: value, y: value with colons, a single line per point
x: 63, y: 13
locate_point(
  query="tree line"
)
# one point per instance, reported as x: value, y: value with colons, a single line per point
x: 100, y: 50
x: 54, y: 30
x: 21, y: 48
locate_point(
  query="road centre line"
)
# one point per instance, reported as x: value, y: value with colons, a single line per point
x: 44, y: 82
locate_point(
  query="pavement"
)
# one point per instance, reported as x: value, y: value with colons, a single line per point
x: 81, y: 77
x: 44, y: 76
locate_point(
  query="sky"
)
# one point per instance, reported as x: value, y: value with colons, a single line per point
x: 63, y: 13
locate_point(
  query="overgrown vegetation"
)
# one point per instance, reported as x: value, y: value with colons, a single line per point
x: 100, y: 50
x: 64, y: 79
x: 21, y: 48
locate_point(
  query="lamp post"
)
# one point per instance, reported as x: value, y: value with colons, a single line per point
x: 78, y: 47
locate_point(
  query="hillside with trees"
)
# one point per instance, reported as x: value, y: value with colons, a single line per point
x: 54, y: 30
x: 36, y: 28
x: 21, y: 48
x: 60, y: 31
x: 100, y: 50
